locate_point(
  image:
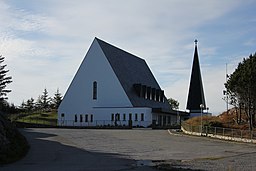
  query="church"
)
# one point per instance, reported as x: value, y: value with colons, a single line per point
x: 114, y: 87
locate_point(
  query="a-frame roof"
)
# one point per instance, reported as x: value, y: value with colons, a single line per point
x: 196, y: 91
x: 131, y: 70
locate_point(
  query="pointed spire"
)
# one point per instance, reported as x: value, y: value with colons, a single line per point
x: 196, y: 92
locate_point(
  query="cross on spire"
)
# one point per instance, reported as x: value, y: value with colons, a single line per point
x: 196, y: 41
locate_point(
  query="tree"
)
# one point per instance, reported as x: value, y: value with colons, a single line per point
x: 45, y: 100
x: 4, y: 80
x: 241, y: 88
x: 30, y: 105
x: 39, y: 103
x: 57, y: 99
x: 173, y: 103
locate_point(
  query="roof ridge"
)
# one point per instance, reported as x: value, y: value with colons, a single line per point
x: 106, y: 43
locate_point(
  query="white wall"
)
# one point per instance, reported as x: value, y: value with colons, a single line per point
x: 103, y: 116
x: 79, y: 96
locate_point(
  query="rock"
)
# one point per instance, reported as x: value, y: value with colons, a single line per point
x: 13, y: 145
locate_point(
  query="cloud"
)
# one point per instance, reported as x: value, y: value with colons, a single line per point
x: 45, y: 41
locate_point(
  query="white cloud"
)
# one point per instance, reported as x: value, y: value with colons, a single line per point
x: 45, y: 41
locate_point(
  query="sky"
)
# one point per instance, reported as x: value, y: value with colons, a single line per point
x: 45, y: 41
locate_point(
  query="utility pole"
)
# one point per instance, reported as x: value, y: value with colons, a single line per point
x: 226, y: 88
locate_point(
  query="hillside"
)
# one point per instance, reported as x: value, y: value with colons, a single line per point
x: 233, y: 119
x: 13, y: 145
x: 230, y: 119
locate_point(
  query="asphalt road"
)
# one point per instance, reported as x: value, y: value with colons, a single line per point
x: 137, y: 149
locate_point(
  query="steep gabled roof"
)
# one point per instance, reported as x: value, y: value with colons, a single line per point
x: 196, y: 91
x: 131, y: 70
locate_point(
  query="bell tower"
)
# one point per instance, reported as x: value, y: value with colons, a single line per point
x: 196, y: 100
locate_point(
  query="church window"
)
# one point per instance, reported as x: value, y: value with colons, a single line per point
x: 91, y: 118
x: 94, y: 93
x: 142, y: 116
x: 112, y: 117
x: 75, y: 118
x: 136, y: 117
x: 130, y: 116
x: 117, y: 117
x: 86, y: 118
x: 81, y: 118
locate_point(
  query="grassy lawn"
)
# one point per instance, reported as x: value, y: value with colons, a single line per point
x: 45, y: 118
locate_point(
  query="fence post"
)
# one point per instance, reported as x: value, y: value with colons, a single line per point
x: 206, y: 130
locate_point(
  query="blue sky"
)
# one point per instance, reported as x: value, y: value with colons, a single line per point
x: 44, y: 41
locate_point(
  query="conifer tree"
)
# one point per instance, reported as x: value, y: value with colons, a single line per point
x: 57, y: 99
x: 45, y: 100
x: 4, y: 80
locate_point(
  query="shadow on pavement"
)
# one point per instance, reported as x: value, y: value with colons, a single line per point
x: 48, y: 155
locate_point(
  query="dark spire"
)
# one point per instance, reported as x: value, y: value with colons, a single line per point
x: 196, y: 91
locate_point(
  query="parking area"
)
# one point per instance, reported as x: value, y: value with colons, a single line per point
x: 102, y: 149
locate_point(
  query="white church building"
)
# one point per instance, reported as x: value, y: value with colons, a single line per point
x: 114, y: 87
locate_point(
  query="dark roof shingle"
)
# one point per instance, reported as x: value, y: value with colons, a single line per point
x: 131, y: 70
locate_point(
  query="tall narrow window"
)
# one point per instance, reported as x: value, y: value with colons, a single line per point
x: 124, y: 117
x: 112, y: 117
x: 86, y: 118
x: 91, y: 118
x: 142, y: 117
x: 75, y: 118
x: 81, y: 118
x: 94, y: 93
x: 130, y: 116
x: 136, y: 117
x: 117, y: 117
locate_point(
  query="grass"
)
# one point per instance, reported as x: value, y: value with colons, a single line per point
x: 226, y: 120
x: 213, y: 121
x: 44, y: 118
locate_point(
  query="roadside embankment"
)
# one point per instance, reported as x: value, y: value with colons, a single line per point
x: 13, y: 145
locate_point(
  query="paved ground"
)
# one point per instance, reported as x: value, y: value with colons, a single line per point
x: 137, y: 149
